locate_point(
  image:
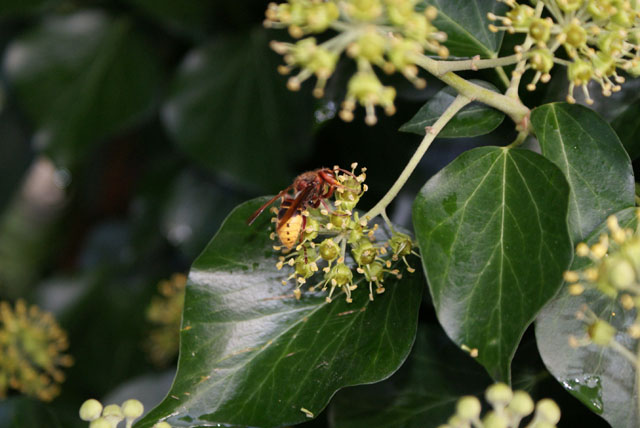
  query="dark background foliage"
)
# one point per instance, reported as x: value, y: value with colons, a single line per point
x: 160, y: 116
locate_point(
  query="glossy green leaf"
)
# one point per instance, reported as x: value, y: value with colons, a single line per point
x: 466, y: 25
x: 231, y: 112
x: 493, y: 237
x: 473, y: 120
x: 251, y: 354
x: 598, y: 376
x: 421, y: 394
x: 627, y: 126
x: 81, y: 78
x: 592, y: 159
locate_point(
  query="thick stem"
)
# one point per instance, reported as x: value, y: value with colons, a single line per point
x: 444, y: 67
x: 513, y: 107
x: 431, y: 133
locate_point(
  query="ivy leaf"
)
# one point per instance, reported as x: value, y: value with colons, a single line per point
x: 473, y: 120
x: 467, y: 26
x: 251, y: 354
x: 81, y: 78
x: 592, y: 159
x: 599, y: 377
x: 231, y: 112
x: 627, y: 126
x: 422, y: 393
x: 493, y: 235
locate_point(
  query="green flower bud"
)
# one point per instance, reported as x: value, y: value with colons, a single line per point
x: 364, y: 10
x: 113, y: 414
x: 311, y: 229
x: 601, y: 9
x: 569, y: 5
x: 341, y: 273
x: 322, y: 63
x: 374, y: 272
x: 603, y: 64
x: 303, y: 51
x: 399, y: 11
x: 548, y: 411
x: 349, y: 195
x: 132, y: 409
x: 580, y: 72
x: 611, y: 43
x: 90, y: 410
x: 402, y: 53
x: 329, y: 250
x: 540, y: 29
x: 623, y: 19
x: 364, y: 86
x: 401, y: 244
x: 370, y: 46
x: 494, y: 420
x: 418, y: 28
x: 498, y: 394
x: 576, y: 35
x: 321, y: 15
x: 364, y: 252
x: 468, y: 408
x: 339, y: 219
x: 621, y: 272
x: 601, y: 333
x: 521, y: 404
x: 634, y: 70
x: 304, y: 265
x: 541, y: 60
x: 631, y: 251
x: 521, y: 16
x: 100, y: 423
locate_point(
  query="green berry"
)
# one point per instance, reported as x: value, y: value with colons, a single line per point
x: 329, y: 250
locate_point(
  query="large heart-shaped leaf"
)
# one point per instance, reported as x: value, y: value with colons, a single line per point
x: 627, y: 126
x: 81, y: 78
x: 231, y: 112
x: 251, y: 354
x: 422, y: 393
x: 592, y: 159
x: 473, y: 120
x: 598, y: 376
x: 467, y: 26
x: 493, y: 236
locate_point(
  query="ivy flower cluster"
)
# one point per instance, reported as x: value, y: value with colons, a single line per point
x: 32, y: 346
x: 110, y: 416
x: 388, y: 34
x: 509, y: 408
x: 337, y: 245
x: 165, y: 313
x: 614, y: 272
x: 598, y: 37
